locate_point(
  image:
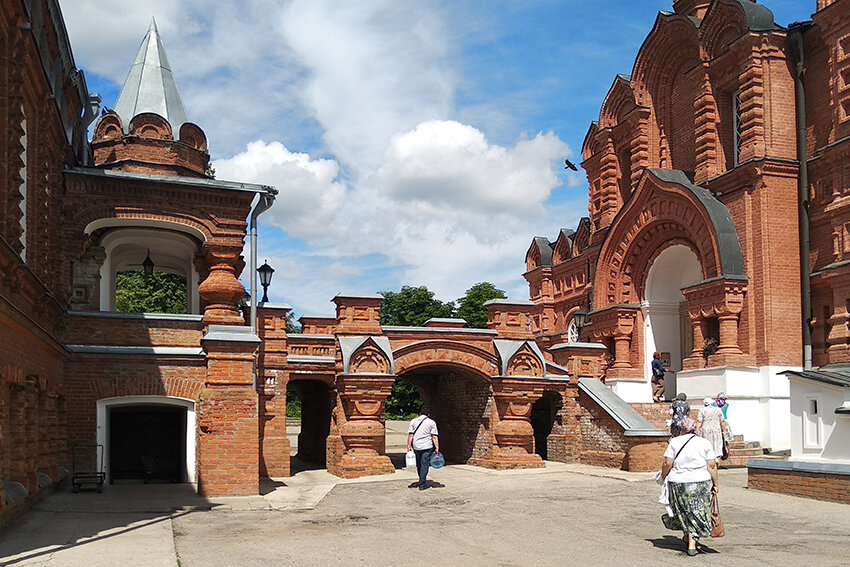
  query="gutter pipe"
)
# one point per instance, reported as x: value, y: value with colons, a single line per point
x: 795, y: 36
x: 264, y: 202
x: 262, y: 205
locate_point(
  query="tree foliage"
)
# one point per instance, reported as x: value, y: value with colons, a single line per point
x: 404, y: 401
x: 292, y: 326
x: 159, y: 292
x: 471, y: 306
x: 412, y: 306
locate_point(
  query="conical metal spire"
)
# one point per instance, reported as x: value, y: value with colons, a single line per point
x: 150, y: 86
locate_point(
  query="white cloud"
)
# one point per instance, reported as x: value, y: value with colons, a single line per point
x: 404, y: 192
x: 309, y: 192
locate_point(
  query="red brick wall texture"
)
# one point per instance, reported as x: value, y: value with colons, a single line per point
x: 819, y: 486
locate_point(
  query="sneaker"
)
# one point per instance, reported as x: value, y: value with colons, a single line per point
x: 423, y: 487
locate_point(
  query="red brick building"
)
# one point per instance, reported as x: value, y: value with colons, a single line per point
x: 693, y: 233
x: 701, y: 206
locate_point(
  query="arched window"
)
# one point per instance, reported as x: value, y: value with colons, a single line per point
x: 572, y: 332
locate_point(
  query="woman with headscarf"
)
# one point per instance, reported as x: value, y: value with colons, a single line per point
x: 720, y: 401
x: 690, y: 467
x: 679, y: 410
x: 712, y: 425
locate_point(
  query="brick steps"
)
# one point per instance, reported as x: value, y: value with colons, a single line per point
x: 740, y: 451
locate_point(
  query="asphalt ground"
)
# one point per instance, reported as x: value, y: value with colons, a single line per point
x: 561, y: 515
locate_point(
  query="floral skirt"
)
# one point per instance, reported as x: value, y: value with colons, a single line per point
x: 691, y: 504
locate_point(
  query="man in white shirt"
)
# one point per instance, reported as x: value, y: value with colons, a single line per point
x: 423, y: 440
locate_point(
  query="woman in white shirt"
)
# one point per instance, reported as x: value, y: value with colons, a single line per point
x: 690, y: 466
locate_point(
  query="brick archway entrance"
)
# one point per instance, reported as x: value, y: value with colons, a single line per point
x: 461, y: 404
x: 317, y: 402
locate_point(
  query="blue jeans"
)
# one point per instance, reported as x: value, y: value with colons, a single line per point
x: 423, y: 461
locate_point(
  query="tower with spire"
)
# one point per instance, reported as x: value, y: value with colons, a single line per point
x: 149, y: 130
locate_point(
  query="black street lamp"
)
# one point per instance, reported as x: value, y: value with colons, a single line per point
x: 265, y: 272
x: 580, y: 318
x: 147, y: 265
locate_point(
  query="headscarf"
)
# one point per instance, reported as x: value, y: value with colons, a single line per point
x: 687, y: 425
x: 681, y: 396
x: 721, y: 400
x: 707, y: 401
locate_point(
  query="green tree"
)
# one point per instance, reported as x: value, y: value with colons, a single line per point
x: 404, y: 400
x: 471, y: 306
x: 412, y: 306
x: 292, y: 326
x: 159, y: 292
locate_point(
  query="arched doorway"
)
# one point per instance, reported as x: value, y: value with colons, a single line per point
x: 544, y: 414
x: 317, y: 401
x: 461, y: 404
x: 147, y: 438
x: 667, y: 327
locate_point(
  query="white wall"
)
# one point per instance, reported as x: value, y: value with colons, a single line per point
x: 823, y: 436
x: 759, y: 400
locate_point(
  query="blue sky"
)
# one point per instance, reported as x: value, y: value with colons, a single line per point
x: 413, y: 143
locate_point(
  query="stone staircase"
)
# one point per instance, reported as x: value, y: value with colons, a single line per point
x: 740, y: 451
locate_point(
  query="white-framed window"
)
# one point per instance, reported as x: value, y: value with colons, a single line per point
x: 572, y: 332
x: 737, y: 127
x: 811, y: 423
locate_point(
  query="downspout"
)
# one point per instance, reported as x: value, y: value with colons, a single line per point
x: 263, y: 204
x: 795, y: 36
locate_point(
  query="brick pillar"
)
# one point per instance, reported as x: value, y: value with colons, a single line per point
x: 514, y: 448
x: 48, y: 460
x: 220, y: 290
x: 274, y: 444
x: 228, y: 440
x: 361, y: 434
x: 31, y: 441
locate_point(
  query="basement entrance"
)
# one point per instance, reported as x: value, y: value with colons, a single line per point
x: 147, y: 443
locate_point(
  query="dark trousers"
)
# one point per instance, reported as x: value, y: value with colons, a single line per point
x: 423, y: 462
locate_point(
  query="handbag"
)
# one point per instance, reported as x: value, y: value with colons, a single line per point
x: 716, y: 523
x: 410, y: 460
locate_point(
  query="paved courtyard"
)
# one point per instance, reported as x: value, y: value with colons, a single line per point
x: 561, y: 515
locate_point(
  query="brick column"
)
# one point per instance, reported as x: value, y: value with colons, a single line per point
x: 221, y: 291
x: 228, y: 440
x: 274, y: 444
x: 514, y: 448
x: 360, y: 429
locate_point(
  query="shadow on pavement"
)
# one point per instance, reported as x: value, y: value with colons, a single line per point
x: 675, y: 543
x: 65, y: 520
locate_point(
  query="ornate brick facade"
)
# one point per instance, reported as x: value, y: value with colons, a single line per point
x: 693, y: 168
x: 692, y: 244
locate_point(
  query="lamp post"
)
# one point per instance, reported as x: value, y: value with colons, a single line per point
x: 580, y: 318
x: 265, y: 272
x: 147, y: 264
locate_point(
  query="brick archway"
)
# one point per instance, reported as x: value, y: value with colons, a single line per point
x: 666, y: 210
x: 428, y: 353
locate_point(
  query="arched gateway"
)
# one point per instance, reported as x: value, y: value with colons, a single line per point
x: 480, y: 383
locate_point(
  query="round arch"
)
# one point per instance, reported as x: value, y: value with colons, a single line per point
x: 429, y: 353
x: 667, y: 327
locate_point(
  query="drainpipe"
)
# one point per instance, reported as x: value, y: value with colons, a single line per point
x: 262, y: 205
x: 92, y: 108
x: 795, y: 36
x: 264, y: 202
